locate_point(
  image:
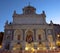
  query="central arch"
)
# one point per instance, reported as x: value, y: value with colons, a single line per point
x: 29, y: 36
x: 29, y: 39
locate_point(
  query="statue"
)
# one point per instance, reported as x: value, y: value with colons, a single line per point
x: 6, y: 22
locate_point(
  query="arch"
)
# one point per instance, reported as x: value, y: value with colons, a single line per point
x: 29, y: 36
x: 40, y: 34
x: 17, y: 35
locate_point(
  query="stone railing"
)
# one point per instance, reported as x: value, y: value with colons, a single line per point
x: 36, y: 51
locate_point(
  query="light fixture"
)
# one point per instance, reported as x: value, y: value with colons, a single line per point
x: 26, y: 48
x: 58, y: 43
x: 38, y: 48
x: 33, y: 49
x: 14, y: 48
x: 54, y: 47
x: 44, y: 48
x: 58, y: 35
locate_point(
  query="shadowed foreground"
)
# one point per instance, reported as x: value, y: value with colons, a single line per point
x: 36, y: 51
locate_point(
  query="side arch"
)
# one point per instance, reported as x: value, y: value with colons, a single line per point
x: 17, y: 35
x: 40, y: 34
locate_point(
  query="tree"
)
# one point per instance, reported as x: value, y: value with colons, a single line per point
x: 1, y: 37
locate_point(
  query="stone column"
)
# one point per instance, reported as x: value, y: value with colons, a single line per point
x: 54, y: 38
x: 23, y: 34
x: 34, y: 34
x: 35, y: 45
x: 11, y: 43
x: 46, y: 34
x: 23, y: 42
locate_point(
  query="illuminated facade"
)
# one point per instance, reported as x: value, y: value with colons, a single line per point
x: 29, y: 31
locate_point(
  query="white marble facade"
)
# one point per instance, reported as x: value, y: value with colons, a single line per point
x: 28, y: 30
